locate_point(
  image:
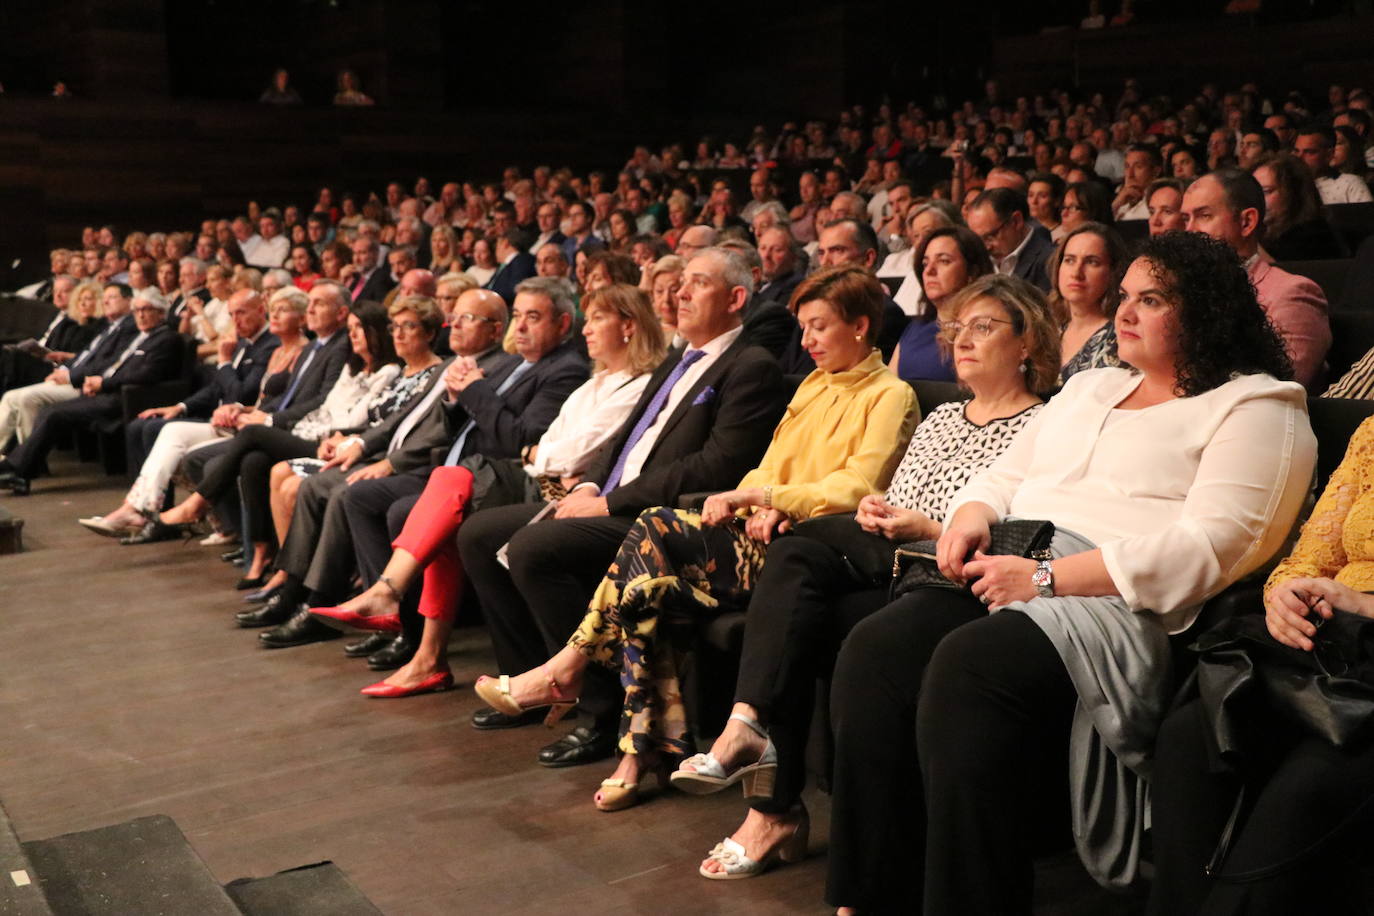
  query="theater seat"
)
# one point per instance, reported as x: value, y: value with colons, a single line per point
x: 1355, y: 222
x: 1358, y: 291
x: 1133, y: 232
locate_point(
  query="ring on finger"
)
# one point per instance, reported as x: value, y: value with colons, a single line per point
x: 985, y: 598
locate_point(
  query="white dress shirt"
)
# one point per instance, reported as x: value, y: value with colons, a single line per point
x: 1343, y: 189
x: 1182, y: 498
x: 589, y: 417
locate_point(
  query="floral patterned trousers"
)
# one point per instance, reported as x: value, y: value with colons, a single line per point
x: 669, y: 569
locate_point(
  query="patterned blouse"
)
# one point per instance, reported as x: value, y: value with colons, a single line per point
x: 946, y: 451
x: 398, y: 393
x: 1098, y: 351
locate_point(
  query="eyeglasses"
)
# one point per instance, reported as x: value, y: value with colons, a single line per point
x: 991, y: 235
x: 470, y: 318
x: 981, y: 328
x: 410, y: 327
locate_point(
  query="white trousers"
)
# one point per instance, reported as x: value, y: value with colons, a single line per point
x: 173, y: 442
x: 20, y: 406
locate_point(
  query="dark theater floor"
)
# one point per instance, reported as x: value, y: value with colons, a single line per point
x: 126, y: 690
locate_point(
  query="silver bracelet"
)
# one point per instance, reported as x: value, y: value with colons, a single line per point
x: 768, y: 497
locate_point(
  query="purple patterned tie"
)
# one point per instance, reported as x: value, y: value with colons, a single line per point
x: 649, y: 416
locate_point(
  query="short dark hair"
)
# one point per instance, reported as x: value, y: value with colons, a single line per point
x: 1328, y: 136
x: 1150, y: 150
x: 851, y: 290
x: 864, y: 236
x: 1269, y: 140
x: 1004, y: 202
x: 1242, y: 191
x: 971, y: 249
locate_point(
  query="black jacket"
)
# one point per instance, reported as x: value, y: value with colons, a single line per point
x: 235, y: 384
x: 318, y: 376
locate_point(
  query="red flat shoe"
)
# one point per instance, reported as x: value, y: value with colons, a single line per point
x: 436, y: 682
x: 339, y: 618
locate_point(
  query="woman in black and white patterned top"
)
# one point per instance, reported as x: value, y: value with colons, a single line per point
x: 818, y: 583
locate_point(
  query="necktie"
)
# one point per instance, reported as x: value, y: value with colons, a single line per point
x: 358, y: 285
x: 94, y: 345
x: 650, y: 414
x: 300, y: 374
x: 128, y: 351
x: 455, y: 452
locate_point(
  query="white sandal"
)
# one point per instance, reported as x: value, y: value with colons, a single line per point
x: 735, y: 864
x: 708, y: 776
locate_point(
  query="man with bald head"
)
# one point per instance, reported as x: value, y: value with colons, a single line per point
x: 414, y: 282
x: 703, y: 420
x: 760, y: 193
x: 694, y: 240
x: 239, y: 369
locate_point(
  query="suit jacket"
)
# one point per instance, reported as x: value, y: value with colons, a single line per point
x: 318, y: 378
x: 717, y: 433
x: 558, y: 238
x: 235, y: 384
x: 1030, y: 266
x: 431, y: 430
x: 107, y: 349
x: 157, y: 359
x: 1296, y: 307
x: 508, y: 422
x: 176, y: 307
x: 509, y: 276
x: 781, y: 289
x: 769, y: 325
x: 377, y: 286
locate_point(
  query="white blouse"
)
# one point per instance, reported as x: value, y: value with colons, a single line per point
x: 346, y: 405
x: 1183, y: 498
x: 589, y: 417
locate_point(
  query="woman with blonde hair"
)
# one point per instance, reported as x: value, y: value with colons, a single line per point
x: 665, y: 279
x: 625, y: 343
x: 443, y: 251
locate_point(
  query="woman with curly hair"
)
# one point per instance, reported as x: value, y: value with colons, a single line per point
x: 970, y: 740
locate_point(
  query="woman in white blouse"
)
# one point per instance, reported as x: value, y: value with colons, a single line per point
x: 1166, y: 483
x: 625, y: 340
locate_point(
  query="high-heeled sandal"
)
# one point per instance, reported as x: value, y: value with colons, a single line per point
x: 616, y: 794
x: 735, y: 864
x: 495, y: 692
x: 708, y: 775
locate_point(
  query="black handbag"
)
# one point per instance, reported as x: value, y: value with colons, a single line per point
x: 914, y: 566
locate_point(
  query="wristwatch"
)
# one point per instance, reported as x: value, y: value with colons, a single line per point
x: 1043, y: 579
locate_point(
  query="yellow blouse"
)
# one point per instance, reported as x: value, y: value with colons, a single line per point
x: 1337, y: 542
x: 839, y: 440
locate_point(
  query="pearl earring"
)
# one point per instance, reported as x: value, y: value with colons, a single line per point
x: 625, y: 339
x: 858, y: 337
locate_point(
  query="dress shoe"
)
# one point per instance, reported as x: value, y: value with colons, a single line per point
x: 487, y: 718
x: 339, y: 619
x: 393, y: 655
x: 155, y: 531
x: 439, y: 680
x: 218, y: 539
x: 300, y: 630
x: 101, y: 526
x: 367, y: 645
x: 584, y: 744
x: 230, y: 556
x: 276, y: 611
x: 248, y: 583
x: 261, y: 595
x: 17, y: 485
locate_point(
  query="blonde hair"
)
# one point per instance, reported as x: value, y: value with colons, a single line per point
x: 647, y: 345
x: 73, y: 301
x: 292, y: 296
x: 1031, y: 320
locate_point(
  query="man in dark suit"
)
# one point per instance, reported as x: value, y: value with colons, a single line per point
x: 191, y: 277
x: 1001, y: 218
x: 20, y: 367
x: 517, y: 264
x: 782, y: 269
x: 495, y: 416
x: 767, y: 324
x: 367, y: 279
x: 153, y: 355
x: 547, y: 218
x: 317, y: 369
x: 704, y: 420
x: 242, y: 360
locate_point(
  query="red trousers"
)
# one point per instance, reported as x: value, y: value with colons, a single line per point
x: 430, y: 536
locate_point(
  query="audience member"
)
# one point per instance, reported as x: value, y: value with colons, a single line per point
x: 1315, y: 146
x: 950, y: 258
x: 1001, y: 219
x: 1087, y: 266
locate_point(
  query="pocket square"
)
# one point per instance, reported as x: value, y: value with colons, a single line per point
x: 705, y: 396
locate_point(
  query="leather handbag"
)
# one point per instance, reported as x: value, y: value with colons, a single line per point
x: 914, y: 566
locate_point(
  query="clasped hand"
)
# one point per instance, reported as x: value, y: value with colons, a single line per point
x: 461, y: 373
x: 877, y: 516
x: 1294, y: 609
x: 996, y: 580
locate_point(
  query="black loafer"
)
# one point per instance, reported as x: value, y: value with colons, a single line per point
x: 487, y: 718
x: 373, y: 642
x: 583, y: 744
x: 393, y: 655
x: 230, y: 556
x: 300, y: 630
x: 246, y: 584
x: 276, y: 611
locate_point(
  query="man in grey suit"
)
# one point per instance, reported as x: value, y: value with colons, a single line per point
x: 1001, y: 218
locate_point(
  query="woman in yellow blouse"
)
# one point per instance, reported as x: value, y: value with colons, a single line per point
x: 838, y: 441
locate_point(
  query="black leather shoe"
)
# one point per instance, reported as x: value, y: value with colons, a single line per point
x: 153, y: 532
x: 19, y: 486
x: 488, y: 718
x: 373, y: 642
x: 275, y: 612
x: 300, y: 630
x: 230, y: 556
x: 246, y: 584
x: 584, y: 744
x: 393, y: 655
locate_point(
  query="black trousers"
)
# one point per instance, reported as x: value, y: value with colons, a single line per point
x: 247, y: 461
x: 199, y: 462
x: 532, y: 608
x: 1301, y: 843
x: 952, y: 734
x: 30, y: 458
x: 802, y: 607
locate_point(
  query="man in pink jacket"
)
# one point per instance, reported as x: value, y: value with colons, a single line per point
x: 1228, y: 205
